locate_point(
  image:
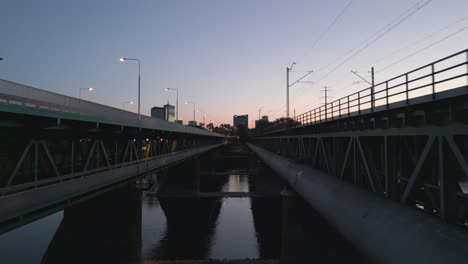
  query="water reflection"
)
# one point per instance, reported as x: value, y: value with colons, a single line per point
x: 234, y: 236
x: 28, y: 243
x: 131, y: 226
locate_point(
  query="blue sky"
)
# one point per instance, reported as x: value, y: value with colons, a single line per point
x: 227, y: 56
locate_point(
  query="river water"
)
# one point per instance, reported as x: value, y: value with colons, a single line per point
x: 140, y: 226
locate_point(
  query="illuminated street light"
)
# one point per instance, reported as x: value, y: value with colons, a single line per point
x: 124, y: 103
x: 90, y: 89
x: 125, y: 59
x: 193, y: 103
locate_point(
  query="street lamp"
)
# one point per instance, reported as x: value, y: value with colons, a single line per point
x: 198, y: 110
x: 177, y: 100
x: 125, y: 59
x: 193, y: 103
x: 124, y: 103
x: 90, y: 89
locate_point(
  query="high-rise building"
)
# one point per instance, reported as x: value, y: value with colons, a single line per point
x: 158, y: 112
x: 169, y: 112
x: 241, y: 120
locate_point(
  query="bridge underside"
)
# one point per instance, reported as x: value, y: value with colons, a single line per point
x: 70, y: 189
x: 50, y: 158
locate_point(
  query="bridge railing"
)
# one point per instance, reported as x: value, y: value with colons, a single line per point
x: 15, y: 94
x: 444, y: 74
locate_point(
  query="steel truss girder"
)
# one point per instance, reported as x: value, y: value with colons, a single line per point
x: 380, y: 167
x: 72, y: 157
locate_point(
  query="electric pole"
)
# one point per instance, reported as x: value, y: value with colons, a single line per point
x: 372, y: 90
x: 326, y: 90
x: 288, y: 69
x: 372, y: 84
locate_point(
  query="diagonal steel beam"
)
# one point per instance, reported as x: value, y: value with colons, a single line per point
x: 89, y: 156
x: 105, y: 153
x: 366, y: 166
x: 51, y: 160
x: 458, y: 155
x: 417, y: 170
x: 325, y: 156
x: 315, y: 151
x: 346, y: 157
x: 18, y: 164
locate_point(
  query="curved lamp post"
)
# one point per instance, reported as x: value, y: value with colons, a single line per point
x: 193, y: 103
x: 126, y: 59
x: 89, y: 89
x: 124, y: 103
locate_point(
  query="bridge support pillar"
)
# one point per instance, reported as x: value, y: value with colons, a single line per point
x: 291, y: 233
x: 83, y: 235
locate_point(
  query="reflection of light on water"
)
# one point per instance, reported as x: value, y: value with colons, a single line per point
x: 236, y: 183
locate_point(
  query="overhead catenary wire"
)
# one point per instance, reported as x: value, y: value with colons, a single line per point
x: 420, y: 40
x: 372, y: 39
x: 330, y: 26
x: 376, y: 39
x: 371, y: 36
x: 422, y: 49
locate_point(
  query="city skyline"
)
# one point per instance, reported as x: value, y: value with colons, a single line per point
x: 230, y: 58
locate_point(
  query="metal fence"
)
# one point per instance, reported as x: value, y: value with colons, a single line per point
x: 447, y: 73
x: 15, y: 94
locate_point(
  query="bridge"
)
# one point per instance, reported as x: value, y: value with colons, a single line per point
x: 58, y: 150
x: 386, y: 166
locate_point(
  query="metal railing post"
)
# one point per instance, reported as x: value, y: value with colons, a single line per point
x: 359, y: 102
x: 466, y: 67
x: 386, y: 92
x: 433, y: 81
x: 339, y: 108
x: 407, y: 89
x: 348, y: 108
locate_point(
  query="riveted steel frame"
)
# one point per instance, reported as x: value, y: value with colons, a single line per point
x: 420, y: 167
x: 31, y: 157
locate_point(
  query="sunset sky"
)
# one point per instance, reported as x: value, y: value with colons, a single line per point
x: 229, y: 57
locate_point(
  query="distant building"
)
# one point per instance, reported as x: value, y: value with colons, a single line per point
x: 261, y: 123
x: 241, y: 120
x: 179, y: 122
x: 169, y: 112
x: 158, y: 112
x: 192, y: 123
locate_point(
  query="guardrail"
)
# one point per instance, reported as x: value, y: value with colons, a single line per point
x: 441, y: 75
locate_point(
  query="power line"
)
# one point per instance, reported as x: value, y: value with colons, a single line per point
x: 426, y: 47
x: 371, y: 36
x: 374, y: 37
x: 414, y: 53
x: 377, y: 38
x: 325, y: 31
x: 422, y: 39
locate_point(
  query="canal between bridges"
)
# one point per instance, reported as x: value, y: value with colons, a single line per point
x: 224, y: 206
